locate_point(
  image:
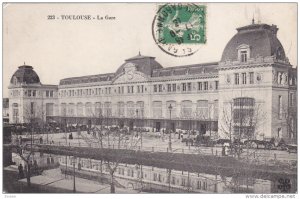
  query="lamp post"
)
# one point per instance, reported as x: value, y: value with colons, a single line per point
x: 170, y: 141
x: 74, y: 186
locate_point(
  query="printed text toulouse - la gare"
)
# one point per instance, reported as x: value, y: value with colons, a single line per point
x: 80, y: 17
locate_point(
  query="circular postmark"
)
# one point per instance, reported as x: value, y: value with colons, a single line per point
x: 179, y: 29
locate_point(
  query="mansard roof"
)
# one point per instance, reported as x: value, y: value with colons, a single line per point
x: 195, y: 69
x: 262, y: 40
x: 87, y: 79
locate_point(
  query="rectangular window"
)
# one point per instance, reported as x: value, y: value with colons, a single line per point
x: 173, y: 180
x: 280, y: 108
x: 142, y: 88
x: 183, y: 86
x: 132, y: 89
x: 174, y: 87
x: 243, y: 56
x: 291, y: 99
x: 217, y: 85
x: 205, y: 85
x: 236, y: 78
x: 34, y: 93
x: 154, y: 177
x: 155, y: 88
x: 183, y: 182
x: 160, y: 88
x: 138, y: 89
x: 199, y: 86
x: 32, y: 108
x: 47, y: 93
x: 169, y: 87
x: 198, y: 184
x: 244, y: 78
x: 189, y: 86
x: 251, y: 77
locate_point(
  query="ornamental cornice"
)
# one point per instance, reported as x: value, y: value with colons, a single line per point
x: 242, y: 66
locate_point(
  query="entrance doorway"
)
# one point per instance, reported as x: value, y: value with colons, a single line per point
x: 157, y: 126
x: 121, y: 124
x: 172, y: 126
x: 130, y: 125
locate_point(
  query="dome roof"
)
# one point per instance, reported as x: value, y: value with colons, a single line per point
x: 25, y: 75
x: 261, y: 39
x: 144, y: 64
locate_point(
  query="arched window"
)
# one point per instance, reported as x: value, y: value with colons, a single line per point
x: 130, y: 109
x: 121, y: 109
x: 157, y: 109
x: 98, y: 109
x: 140, y: 108
x: 49, y: 109
x: 15, y: 107
x: 63, y: 109
x: 107, y: 109
x: 202, y: 109
x: 79, y: 109
x: 186, y: 109
x: 71, y: 109
x: 88, y: 109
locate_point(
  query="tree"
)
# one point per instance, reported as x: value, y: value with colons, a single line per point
x: 118, y: 138
x: 242, y: 118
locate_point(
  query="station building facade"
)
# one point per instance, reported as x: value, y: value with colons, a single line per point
x: 250, y: 92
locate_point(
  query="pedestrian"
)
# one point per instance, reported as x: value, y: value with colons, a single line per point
x: 35, y: 167
x: 223, y: 150
x: 21, y: 172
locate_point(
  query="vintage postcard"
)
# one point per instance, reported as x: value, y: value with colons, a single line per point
x: 133, y: 98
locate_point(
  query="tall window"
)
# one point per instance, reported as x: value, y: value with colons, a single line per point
x: 186, y: 109
x: 79, y: 109
x: 107, y: 109
x: 244, y: 78
x: 174, y: 87
x: 236, y: 78
x: 98, y: 110
x: 217, y: 85
x: 206, y: 86
x: 280, y: 107
x: 251, y: 77
x: 49, y: 109
x: 15, y: 113
x: 130, y: 109
x: 70, y: 109
x: 243, y: 56
x: 155, y: 88
x: 183, y: 86
x: 88, y: 109
x: 189, y: 86
x: 199, y: 86
x: 243, y: 113
x: 216, y: 109
x: 160, y: 88
x: 140, y: 108
x: 169, y: 87
x: 121, y: 109
x: 202, y: 109
x: 157, y: 109
x: 292, y: 101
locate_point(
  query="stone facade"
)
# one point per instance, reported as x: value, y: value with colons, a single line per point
x: 251, y: 92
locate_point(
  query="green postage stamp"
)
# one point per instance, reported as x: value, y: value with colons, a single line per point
x: 179, y: 29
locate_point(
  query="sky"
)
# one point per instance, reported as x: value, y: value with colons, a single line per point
x: 60, y: 49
